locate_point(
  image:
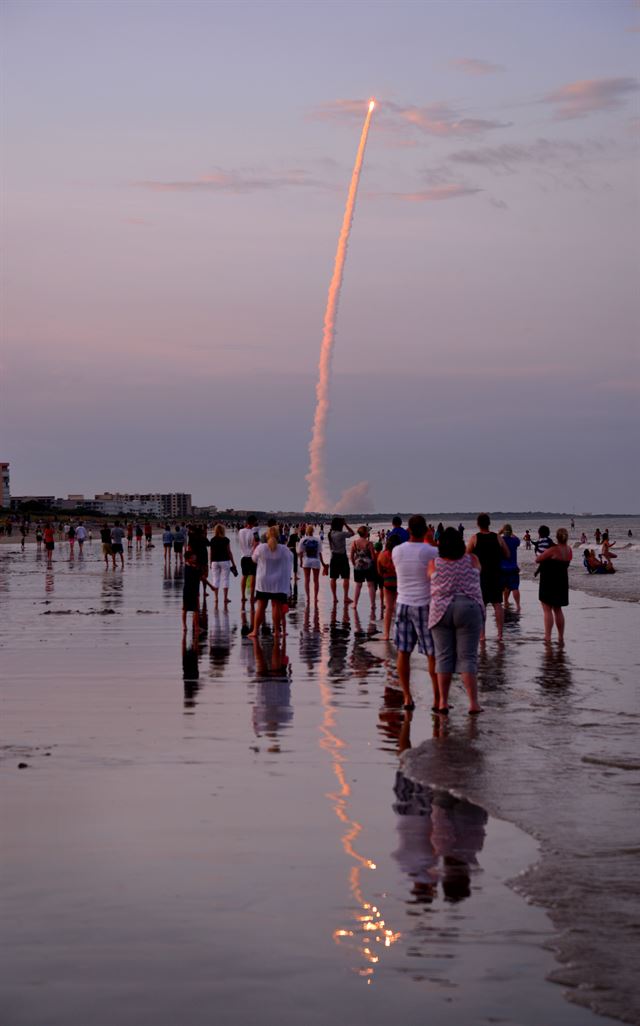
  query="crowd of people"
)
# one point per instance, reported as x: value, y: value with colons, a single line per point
x: 431, y: 587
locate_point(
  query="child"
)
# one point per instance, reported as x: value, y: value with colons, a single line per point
x: 191, y: 590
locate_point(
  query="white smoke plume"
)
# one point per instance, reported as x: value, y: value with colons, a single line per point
x: 356, y: 499
x: 317, y: 497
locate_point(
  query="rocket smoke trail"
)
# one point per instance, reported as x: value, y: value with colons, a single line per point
x: 317, y: 498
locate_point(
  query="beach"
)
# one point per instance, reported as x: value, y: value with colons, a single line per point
x: 231, y: 831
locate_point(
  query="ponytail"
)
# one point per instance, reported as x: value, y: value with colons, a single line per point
x: 273, y: 535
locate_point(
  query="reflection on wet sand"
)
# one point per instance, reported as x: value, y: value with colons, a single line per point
x: 221, y: 637
x: 439, y: 838
x: 369, y: 934
x: 190, y: 672
x: 311, y: 640
x: 272, y: 709
x: 555, y: 670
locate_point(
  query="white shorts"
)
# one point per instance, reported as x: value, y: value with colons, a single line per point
x: 220, y: 574
x: 310, y: 564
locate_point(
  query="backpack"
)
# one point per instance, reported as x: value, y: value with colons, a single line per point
x: 310, y: 548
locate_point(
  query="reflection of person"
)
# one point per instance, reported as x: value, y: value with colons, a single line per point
x: 458, y: 832
x: 272, y: 710
x: 553, y: 592
x: 456, y: 618
x: 220, y: 641
x: 415, y: 853
x: 190, y: 672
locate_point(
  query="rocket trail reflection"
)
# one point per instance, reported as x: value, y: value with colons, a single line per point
x: 369, y: 934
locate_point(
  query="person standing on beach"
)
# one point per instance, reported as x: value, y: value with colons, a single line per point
x: 312, y: 560
x: 411, y: 560
x: 490, y: 550
x: 387, y: 574
x: 81, y: 537
x: 148, y: 534
x: 71, y: 538
x: 293, y: 542
x: 167, y: 544
x: 510, y: 569
x: 179, y: 538
x: 129, y: 536
x: 191, y: 591
x: 105, y: 538
x: 49, y: 542
x: 139, y: 535
x: 456, y: 617
x: 553, y: 591
x: 397, y: 530
x: 338, y: 562
x: 274, y: 564
x: 222, y: 562
x: 117, y: 534
x: 248, y: 540
x: 363, y: 559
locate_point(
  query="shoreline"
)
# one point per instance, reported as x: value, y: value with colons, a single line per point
x: 591, y: 976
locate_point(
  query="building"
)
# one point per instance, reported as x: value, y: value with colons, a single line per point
x: 35, y: 501
x: 6, y: 490
x: 173, y: 505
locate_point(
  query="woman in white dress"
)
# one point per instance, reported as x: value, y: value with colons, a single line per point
x: 273, y: 578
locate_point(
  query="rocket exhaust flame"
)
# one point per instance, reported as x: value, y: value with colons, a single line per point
x: 317, y: 498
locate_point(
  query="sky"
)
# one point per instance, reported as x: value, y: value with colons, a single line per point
x: 173, y: 183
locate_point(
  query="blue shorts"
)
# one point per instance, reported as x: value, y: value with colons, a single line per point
x: 411, y: 629
x: 511, y: 580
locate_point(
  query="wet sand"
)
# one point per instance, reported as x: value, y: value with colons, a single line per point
x: 221, y: 834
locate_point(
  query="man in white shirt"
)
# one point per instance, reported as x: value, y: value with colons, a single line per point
x: 247, y: 540
x: 411, y: 560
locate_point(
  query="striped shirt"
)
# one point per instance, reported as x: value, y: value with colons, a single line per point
x: 451, y: 578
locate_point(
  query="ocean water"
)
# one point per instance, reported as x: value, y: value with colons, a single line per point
x: 227, y: 830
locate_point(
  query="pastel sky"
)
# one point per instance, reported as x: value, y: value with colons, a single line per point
x: 174, y: 178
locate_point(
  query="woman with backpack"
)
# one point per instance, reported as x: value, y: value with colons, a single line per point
x: 311, y: 557
x: 363, y: 559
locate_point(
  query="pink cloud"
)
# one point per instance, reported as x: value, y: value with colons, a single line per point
x: 475, y: 66
x: 238, y: 182
x: 403, y: 122
x: 588, y: 96
x: 435, y: 193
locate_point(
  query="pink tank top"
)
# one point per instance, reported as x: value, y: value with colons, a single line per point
x: 453, y: 577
